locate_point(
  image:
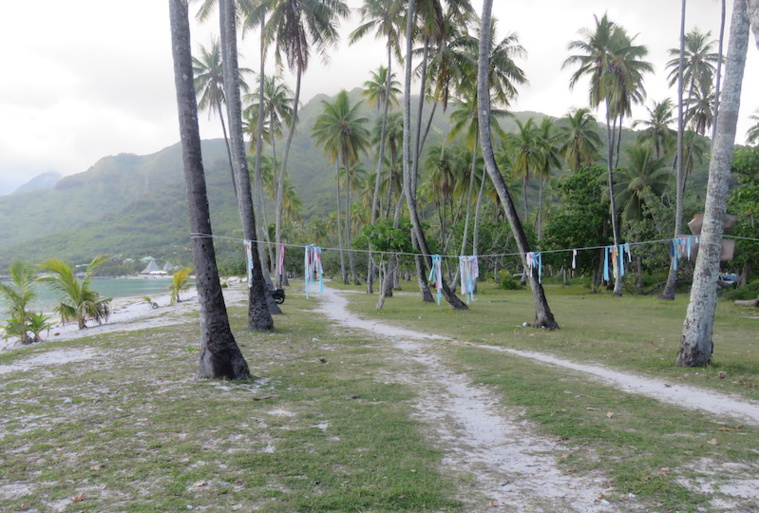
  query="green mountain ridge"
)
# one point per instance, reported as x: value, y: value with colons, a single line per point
x: 135, y: 205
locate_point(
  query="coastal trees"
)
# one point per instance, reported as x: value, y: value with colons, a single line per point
x: 220, y: 356
x: 578, y: 139
x: 78, y: 302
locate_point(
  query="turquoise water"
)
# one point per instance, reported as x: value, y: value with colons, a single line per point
x: 108, y: 287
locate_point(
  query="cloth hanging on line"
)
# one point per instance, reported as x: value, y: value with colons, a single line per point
x: 281, y: 258
x: 574, y: 259
x: 614, y: 260
x: 249, y: 260
x: 313, y: 265
x: 681, y: 247
x: 436, y: 275
x: 469, y: 270
x: 534, y: 260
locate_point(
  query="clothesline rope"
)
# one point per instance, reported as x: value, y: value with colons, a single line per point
x: 491, y: 255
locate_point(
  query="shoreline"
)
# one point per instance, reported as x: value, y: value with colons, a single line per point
x: 128, y: 313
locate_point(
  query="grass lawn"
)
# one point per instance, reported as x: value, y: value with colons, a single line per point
x: 322, y: 428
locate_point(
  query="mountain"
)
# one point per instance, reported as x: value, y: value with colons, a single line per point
x: 134, y: 206
x: 40, y: 182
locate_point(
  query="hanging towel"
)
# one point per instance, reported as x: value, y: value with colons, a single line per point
x: 313, y: 264
x: 436, y: 275
x: 281, y: 258
x: 468, y: 271
x: 249, y: 260
x: 574, y: 259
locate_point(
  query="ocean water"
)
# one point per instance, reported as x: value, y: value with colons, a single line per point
x: 107, y: 287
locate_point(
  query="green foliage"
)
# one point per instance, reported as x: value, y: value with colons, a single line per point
x: 18, y: 293
x: 78, y: 302
x: 179, y: 283
x: 582, y: 224
x: 506, y: 281
x: 384, y: 238
x: 39, y: 322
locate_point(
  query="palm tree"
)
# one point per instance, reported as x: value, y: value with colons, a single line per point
x: 548, y: 160
x: 409, y: 186
x: 580, y: 140
x: 609, y: 57
x: 297, y: 27
x: 384, y: 18
x: 700, y: 60
x: 657, y: 132
x: 646, y: 179
x: 525, y: 157
x: 78, y: 302
x: 209, y: 86
x: 18, y: 294
x: 220, y: 356
x: 260, y: 302
x: 753, y: 133
x: 543, y: 316
x: 275, y: 105
x: 696, y: 345
x: 344, y: 137
x: 179, y: 283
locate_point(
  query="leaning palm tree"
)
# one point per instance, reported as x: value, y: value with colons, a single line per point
x: 18, y: 294
x: 344, y: 137
x: 78, y: 302
x: 409, y: 181
x: 220, y: 356
x: 260, y: 303
x: 543, y: 316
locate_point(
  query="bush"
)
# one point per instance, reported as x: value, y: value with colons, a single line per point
x: 506, y: 281
x: 750, y: 291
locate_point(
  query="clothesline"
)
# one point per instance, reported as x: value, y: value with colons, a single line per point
x: 490, y: 255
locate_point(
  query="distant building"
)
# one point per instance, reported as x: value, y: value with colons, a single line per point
x: 152, y: 269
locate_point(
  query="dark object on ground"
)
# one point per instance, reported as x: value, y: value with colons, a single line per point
x: 278, y: 295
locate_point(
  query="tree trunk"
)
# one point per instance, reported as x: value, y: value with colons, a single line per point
x: 380, y: 158
x: 340, y: 233
x: 349, y: 222
x: 219, y: 357
x: 543, y: 316
x: 669, y: 289
x: 226, y: 143
x: 718, y: 75
x: 697, y: 346
x: 612, y: 201
x: 259, y: 315
x: 262, y: 232
x: 409, y: 179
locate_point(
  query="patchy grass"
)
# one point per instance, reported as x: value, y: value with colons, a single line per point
x: 132, y: 429
x: 640, y: 334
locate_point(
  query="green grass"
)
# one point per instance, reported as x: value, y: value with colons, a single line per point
x: 640, y: 334
x: 316, y: 431
x: 322, y: 428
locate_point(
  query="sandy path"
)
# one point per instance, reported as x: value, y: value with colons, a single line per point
x: 512, y: 468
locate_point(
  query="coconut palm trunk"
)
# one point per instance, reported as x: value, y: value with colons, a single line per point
x: 696, y: 344
x: 543, y: 316
x: 669, y: 288
x: 219, y: 357
x: 259, y: 315
x: 408, y: 179
x: 610, y: 132
x: 718, y: 75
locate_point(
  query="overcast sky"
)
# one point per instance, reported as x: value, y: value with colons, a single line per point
x: 85, y: 79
